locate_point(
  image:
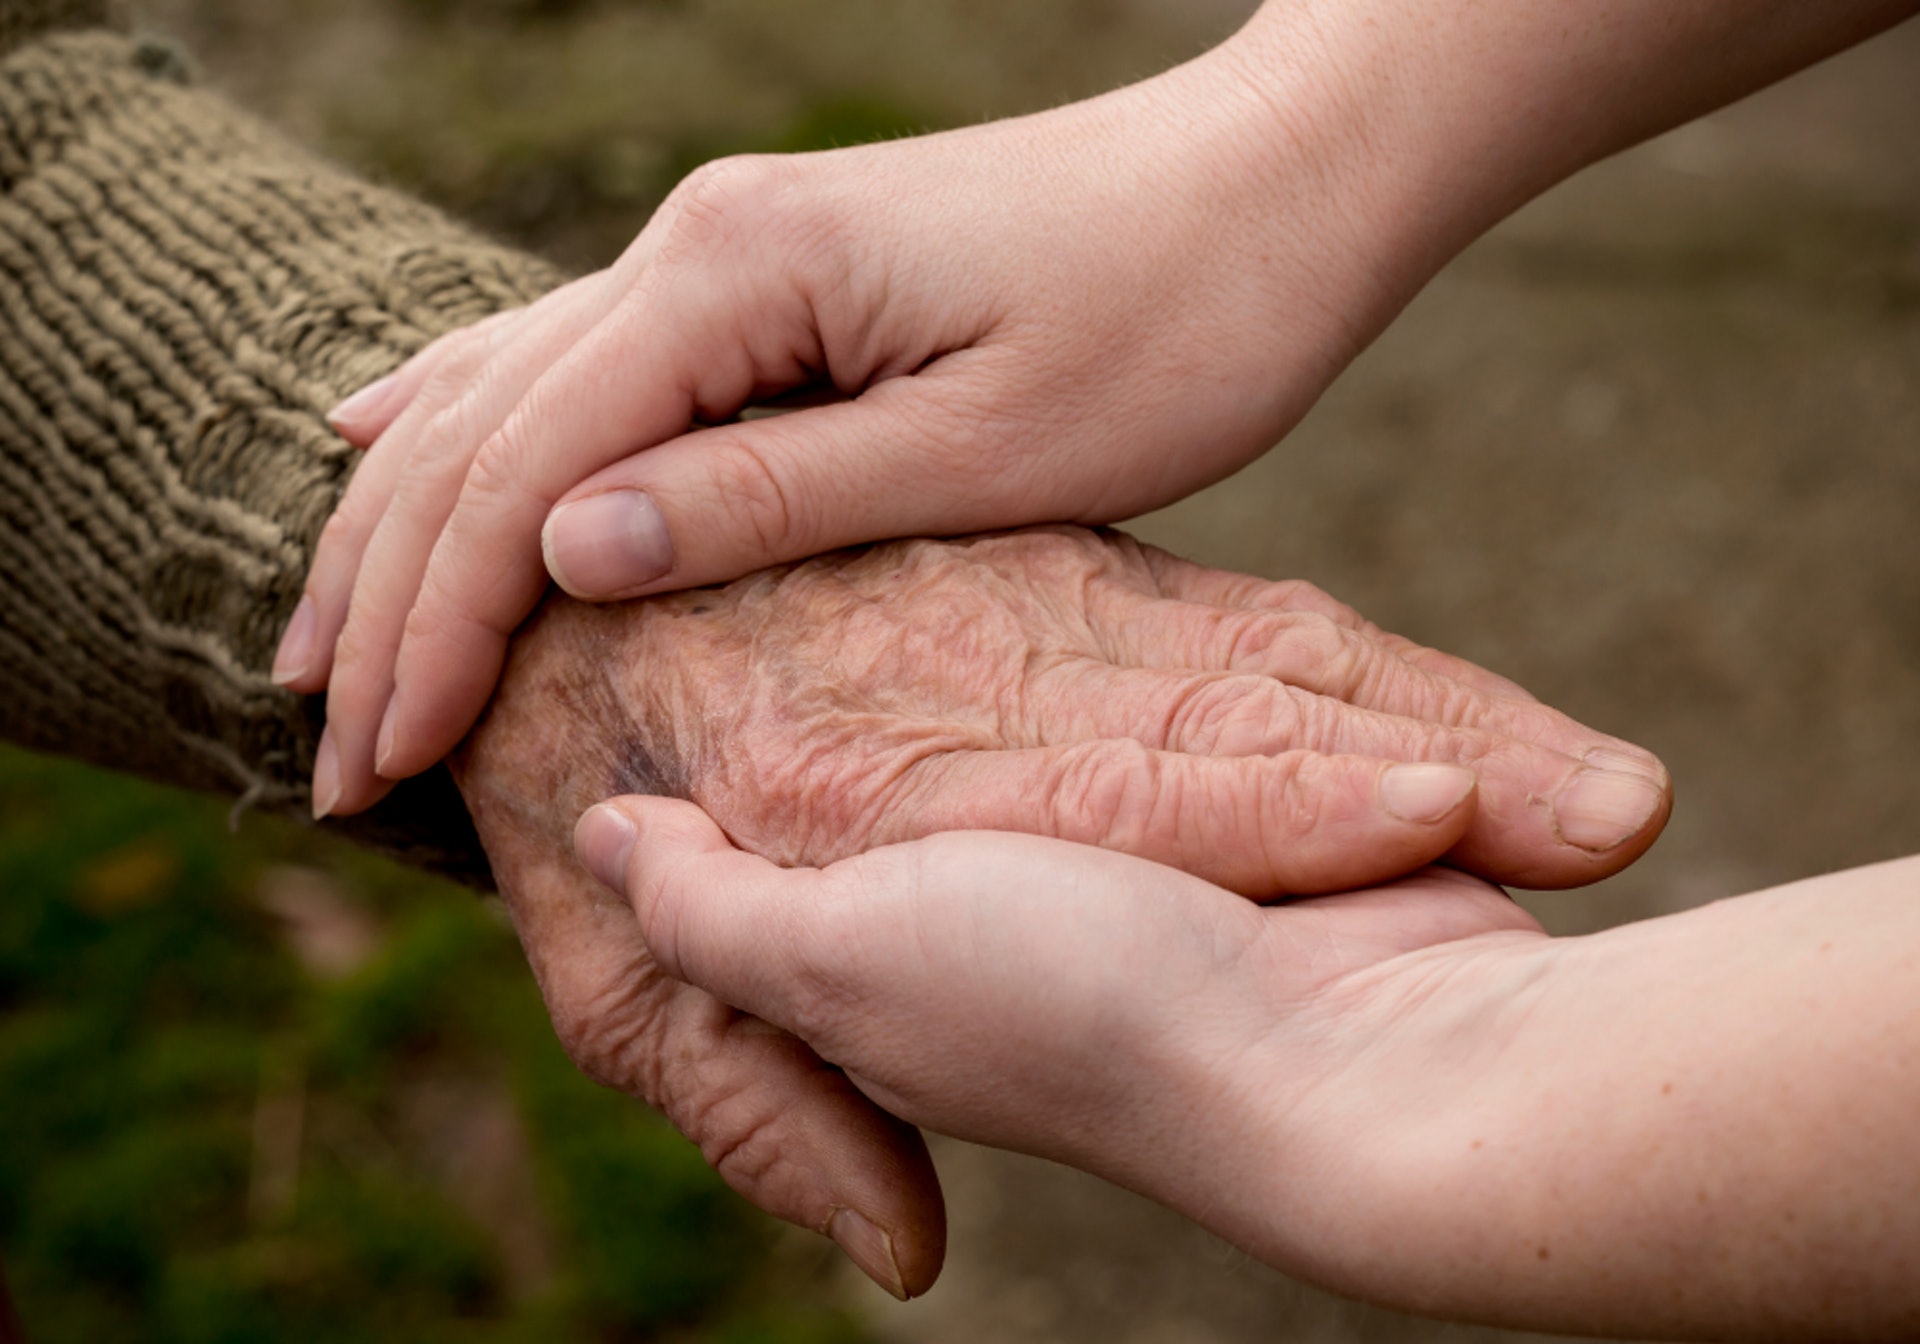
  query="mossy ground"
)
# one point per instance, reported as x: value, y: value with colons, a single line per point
x: 257, y: 1087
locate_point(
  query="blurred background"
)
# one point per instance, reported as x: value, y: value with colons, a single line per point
x: 1652, y: 448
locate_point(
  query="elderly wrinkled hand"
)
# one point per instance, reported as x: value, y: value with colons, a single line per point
x: 1065, y: 682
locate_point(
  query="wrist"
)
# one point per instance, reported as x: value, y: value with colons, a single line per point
x: 1627, y: 1134
x: 1354, y: 1126
x: 1453, y: 116
x: 1314, y: 121
x: 1447, y: 118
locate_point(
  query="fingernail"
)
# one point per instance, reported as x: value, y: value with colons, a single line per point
x: 607, y: 544
x: 604, y: 843
x: 326, y: 777
x: 1599, y: 809
x: 1425, y: 793
x: 1631, y: 762
x: 296, y: 646
x: 365, y: 403
x: 383, y: 744
x: 868, y: 1247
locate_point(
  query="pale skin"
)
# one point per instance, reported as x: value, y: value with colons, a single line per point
x: 1073, y: 316
x: 1694, y: 1127
x: 1078, y: 316
x: 1057, y: 681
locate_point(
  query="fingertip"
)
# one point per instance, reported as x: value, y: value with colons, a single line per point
x: 293, y: 660
x: 607, y: 546
x: 903, y: 1264
x: 441, y: 687
x: 671, y: 822
x: 871, y: 1249
x: 383, y: 741
x: 364, y: 416
x: 355, y: 798
x: 1352, y: 821
x: 1601, y: 809
x: 344, y: 783
x: 824, y: 1156
x: 603, y: 841
x: 609, y: 834
x: 406, y: 746
x: 1426, y: 793
x: 326, y: 777
x: 920, y: 1247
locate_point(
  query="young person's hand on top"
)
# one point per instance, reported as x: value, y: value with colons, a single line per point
x: 1073, y: 316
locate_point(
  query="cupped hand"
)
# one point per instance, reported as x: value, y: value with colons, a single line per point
x: 1074, y: 316
x: 1087, y: 1007
x: 1070, y: 683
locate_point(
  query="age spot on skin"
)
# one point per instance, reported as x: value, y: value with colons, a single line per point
x: 638, y: 770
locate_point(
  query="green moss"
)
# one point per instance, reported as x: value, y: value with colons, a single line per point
x: 155, y: 1017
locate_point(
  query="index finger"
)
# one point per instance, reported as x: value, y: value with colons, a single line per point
x: 662, y: 356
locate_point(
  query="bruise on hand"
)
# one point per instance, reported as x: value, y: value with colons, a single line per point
x: 561, y: 733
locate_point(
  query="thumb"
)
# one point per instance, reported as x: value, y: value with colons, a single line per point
x: 711, y: 915
x: 716, y: 504
x: 781, y: 1126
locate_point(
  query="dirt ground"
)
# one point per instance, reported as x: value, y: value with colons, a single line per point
x: 1652, y: 449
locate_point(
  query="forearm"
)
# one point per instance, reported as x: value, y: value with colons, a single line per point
x: 183, y: 294
x: 1431, y: 121
x: 1698, y: 1126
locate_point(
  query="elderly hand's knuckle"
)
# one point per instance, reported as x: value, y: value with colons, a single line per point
x: 1309, y: 596
x: 1292, y: 795
x: 738, y: 1130
x: 1303, y: 648
x: 1257, y: 637
x: 1255, y: 718
x: 1455, y: 703
x: 1295, y: 719
x: 1109, y: 794
x: 613, y: 1034
x: 1196, y: 717
x: 1313, y: 721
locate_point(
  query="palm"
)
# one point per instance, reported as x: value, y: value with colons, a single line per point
x: 1023, y: 992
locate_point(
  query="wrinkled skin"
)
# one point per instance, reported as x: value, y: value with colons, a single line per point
x: 1069, y: 683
